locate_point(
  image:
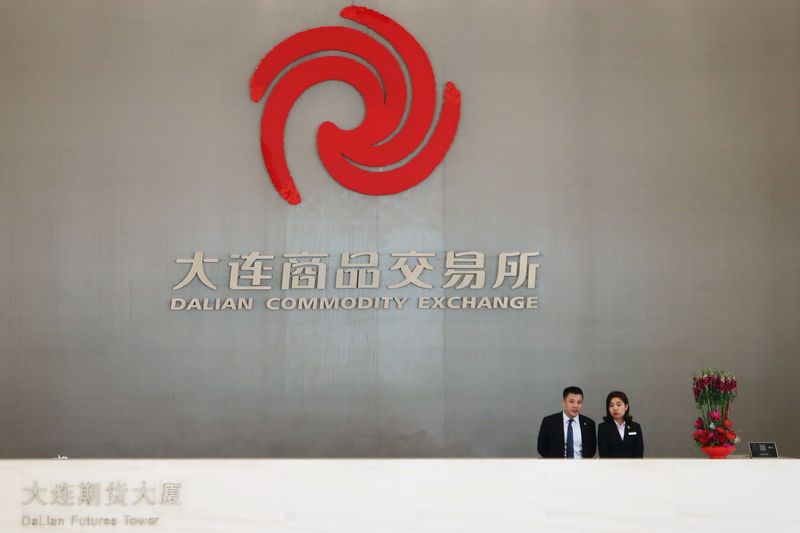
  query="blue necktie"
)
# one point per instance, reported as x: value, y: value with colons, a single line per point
x: 570, y: 441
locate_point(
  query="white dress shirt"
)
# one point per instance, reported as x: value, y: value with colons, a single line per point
x: 621, y: 429
x: 577, y: 440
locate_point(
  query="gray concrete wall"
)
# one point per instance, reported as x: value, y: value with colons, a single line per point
x: 649, y: 150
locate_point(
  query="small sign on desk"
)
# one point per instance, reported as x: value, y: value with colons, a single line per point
x: 763, y: 449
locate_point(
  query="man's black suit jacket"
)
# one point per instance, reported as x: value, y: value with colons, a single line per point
x: 551, y: 442
x: 611, y: 445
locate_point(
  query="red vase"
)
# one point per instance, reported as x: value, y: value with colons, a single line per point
x: 717, y: 452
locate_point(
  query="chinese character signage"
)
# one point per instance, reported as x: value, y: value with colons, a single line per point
x: 464, y: 276
x: 91, y: 503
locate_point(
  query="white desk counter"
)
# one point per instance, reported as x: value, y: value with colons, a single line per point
x: 403, y: 496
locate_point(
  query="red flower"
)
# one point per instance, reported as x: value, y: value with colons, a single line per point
x: 699, y: 424
x: 727, y: 423
x: 705, y: 436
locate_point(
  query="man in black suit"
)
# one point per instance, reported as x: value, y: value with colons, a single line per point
x: 568, y: 434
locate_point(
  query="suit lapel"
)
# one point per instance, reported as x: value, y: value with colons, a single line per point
x: 615, y: 430
x: 581, y: 425
x: 560, y: 426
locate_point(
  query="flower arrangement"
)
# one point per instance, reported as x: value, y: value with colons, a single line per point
x: 714, y: 391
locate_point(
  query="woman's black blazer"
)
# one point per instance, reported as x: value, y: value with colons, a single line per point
x: 610, y: 444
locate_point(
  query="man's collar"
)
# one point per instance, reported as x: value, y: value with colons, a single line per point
x: 564, y: 417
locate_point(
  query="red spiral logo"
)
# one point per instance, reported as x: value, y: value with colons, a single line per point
x: 354, y: 157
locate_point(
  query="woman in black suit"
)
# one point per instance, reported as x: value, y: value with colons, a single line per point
x: 619, y: 436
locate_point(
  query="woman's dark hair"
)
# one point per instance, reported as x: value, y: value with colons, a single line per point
x: 622, y: 396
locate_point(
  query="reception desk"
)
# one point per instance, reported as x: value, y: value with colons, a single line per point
x: 408, y: 496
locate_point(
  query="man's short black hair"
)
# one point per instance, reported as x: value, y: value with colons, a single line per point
x: 572, y: 390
